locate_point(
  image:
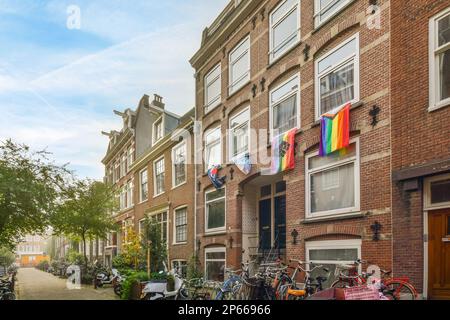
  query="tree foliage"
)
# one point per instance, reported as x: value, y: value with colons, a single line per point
x: 158, y: 248
x: 30, y: 186
x: 85, y: 211
x: 7, y: 257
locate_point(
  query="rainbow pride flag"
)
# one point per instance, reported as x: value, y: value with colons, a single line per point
x: 283, y: 155
x: 335, y: 131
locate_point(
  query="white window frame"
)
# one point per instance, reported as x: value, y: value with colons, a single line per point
x: 295, y: 7
x: 231, y: 134
x: 232, y: 85
x: 217, y: 100
x: 117, y: 172
x: 152, y: 215
x: 139, y: 226
x: 130, y: 157
x: 427, y: 193
x: 174, y: 242
x: 333, y: 244
x: 124, y: 164
x: 178, y: 261
x: 214, y: 250
x: 182, y: 144
x: 283, y: 98
x: 435, y: 102
x: 159, y: 120
x: 317, y: 22
x: 140, y: 185
x: 207, y: 133
x: 309, y: 173
x: 356, y: 61
x: 224, y: 198
x: 155, y: 194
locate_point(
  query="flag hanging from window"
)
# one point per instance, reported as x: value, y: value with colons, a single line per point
x: 213, y: 174
x: 283, y: 152
x: 334, y: 131
x: 243, y: 163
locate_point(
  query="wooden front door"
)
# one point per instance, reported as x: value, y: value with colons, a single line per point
x: 439, y: 254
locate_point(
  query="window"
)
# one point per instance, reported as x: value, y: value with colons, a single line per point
x: 440, y: 60
x: 437, y: 192
x: 215, y: 262
x: 180, y: 225
x: 158, y: 131
x: 332, y: 185
x: 284, y: 27
x: 180, y: 267
x: 117, y: 171
x: 215, y: 210
x: 144, y: 185
x: 213, y: 148
x: 129, y: 190
x: 213, y: 88
x: 123, y: 165
x: 332, y: 253
x: 130, y: 158
x: 324, y: 10
x: 239, y: 63
x: 161, y: 219
x: 142, y: 227
x: 123, y: 198
x: 337, y: 77
x: 159, y: 176
x: 240, y: 134
x: 285, y: 107
x: 179, y: 156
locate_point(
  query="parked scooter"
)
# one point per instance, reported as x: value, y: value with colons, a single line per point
x: 104, y: 276
x: 117, y: 283
x: 157, y: 289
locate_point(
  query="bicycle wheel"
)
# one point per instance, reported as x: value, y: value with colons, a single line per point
x: 399, y: 290
x: 340, y: 284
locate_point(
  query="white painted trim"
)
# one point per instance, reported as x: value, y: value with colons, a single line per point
x: 153, y: 129
x: 179, y: 146
x: 356, y: 61
x: 205, y: 155
x: 230, y: 138
x: 308, y: 173
x: 174, y: 227
x: 272, y: 25
x: 333, y: 244
x: 221, y: 229
x: 154, y: 176
x: 209, y: 107
x: 434, y: 104
x: 212, y: 250
x: 286, y: 96
x: 427, y: 193
x: 317, y: 22
x: 231, y: 86
x: 140, y: 186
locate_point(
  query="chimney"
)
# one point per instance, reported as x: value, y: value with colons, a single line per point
x: 158, y: 101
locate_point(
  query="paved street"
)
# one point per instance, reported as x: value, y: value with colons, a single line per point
x: 37, y: 285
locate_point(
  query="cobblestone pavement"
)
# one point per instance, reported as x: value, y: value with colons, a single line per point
x: 34, y: 284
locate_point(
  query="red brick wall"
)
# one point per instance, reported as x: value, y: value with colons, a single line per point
x: 418, y: 136
x: 375, y: 148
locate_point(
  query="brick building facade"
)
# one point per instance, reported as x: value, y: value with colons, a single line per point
x: 287, y: 62
x: 421, y: 143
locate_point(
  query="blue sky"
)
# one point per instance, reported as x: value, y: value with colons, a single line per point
x: 58, y: 86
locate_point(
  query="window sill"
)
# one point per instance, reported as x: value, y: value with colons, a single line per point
x: 180, y: 185
x: 214, y: 107
x: 354, y: 106
x: 330, y: 18
x: 158, y: 195
x: 334, y: 217
x: 215, y: 233
x: 440, y: 105
x: 177, y: 244
x: 292, y: 48
x: 239, y: 89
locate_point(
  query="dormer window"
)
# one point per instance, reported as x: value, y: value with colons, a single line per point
x: 158, y: 131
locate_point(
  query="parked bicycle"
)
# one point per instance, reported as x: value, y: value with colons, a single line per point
x: 394, y: 288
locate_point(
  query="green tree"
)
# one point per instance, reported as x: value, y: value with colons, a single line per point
x: 7, y: 257
x: 85, y: 212
x: 30, y: 185
x: 158, y: 248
